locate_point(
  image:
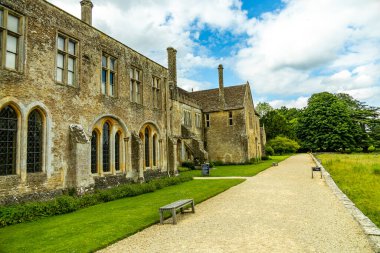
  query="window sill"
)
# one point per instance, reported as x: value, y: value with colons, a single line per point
x: 67, y: 85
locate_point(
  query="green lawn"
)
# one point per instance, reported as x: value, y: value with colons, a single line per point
x: 95, y: 227
x: 238, y: 170
x: 358, y: 176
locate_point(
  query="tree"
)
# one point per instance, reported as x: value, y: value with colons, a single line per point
x: 326, y: 124
x: 282, y: 144
x: 275, y: 124
x: 263, y: 108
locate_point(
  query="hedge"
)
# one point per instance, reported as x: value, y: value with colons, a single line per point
x: 66, y: 204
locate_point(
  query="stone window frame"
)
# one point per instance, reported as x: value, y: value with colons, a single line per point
x: 22, y: 134
x: 110, y: 68
x: 67, y: 55
x: 230, y: 118
x: 115, y: 127
x: 154, y: 135
x: 198, y: 120
x: 156, y: 92
x: 207, y: 120
x: 187, y: 118
x: 136, y: 84
x: 19, y: 35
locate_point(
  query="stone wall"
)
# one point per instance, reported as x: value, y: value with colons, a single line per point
x: 224, y: 142
x: 83, y: 103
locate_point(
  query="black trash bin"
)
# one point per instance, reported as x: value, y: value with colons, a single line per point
x: 205, y: 169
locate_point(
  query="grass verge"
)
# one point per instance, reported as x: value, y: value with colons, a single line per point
x: 248, y: 170
x: 358, y: 176
x: 95, y: 227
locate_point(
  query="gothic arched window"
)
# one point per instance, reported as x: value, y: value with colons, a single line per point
x: 8, y: 141
x: 117, y: 151
x: 94, y: 152
x: 34, y: 144
x: 154, y: 150
x: 106, y: 147
x: 147, y: 148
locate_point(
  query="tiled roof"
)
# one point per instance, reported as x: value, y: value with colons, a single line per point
x: 209, y: 99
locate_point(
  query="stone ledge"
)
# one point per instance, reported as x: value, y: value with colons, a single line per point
x: 369, y: 228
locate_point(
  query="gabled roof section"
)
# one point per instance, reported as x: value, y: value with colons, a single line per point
x: 209, y: 99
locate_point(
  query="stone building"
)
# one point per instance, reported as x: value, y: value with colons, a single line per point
x: 79, y: 109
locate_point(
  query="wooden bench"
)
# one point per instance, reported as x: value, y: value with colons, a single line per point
x: 172, y: 207
x: 315, y: 169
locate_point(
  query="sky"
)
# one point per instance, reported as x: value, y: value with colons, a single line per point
x: 286, y: 49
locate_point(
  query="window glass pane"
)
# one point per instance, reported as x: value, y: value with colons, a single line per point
x: 112, y: 90
x: 106, y: 147
x: 59, y: 75
x: 34, y: 143
x: 112, y: 78
x: 1, y: 17
x: 103, y: 88
x: 70, y: 78
x: 11, y: 44
x: 10, y: 60
x: 94, y: 152
x: 131, y: 73
x: 70, y: 65
x: 8, y: 141
x: 71, y: 47
x: 104, y: 76
x: 60, y: 60
x: 104, y: 61
x: 117, y: 151
x: 61, y: 43
x: 112, y: 64
x: 12, y: 24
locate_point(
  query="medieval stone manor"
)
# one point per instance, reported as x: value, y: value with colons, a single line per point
x: 79, y: 109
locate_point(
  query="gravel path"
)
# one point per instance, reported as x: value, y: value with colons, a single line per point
x: 280, y: 210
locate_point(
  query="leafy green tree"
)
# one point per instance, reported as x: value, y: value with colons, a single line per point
x: 263, y: 108
x: 275, y: 124
x: 282, y: 144
x: 326, y: 124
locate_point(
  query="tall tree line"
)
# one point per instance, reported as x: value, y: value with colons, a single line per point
x: 329, y: 122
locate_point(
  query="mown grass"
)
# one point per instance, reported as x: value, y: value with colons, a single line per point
x: 95, y: 227
x: 248, y: 170
x: 358, y: 176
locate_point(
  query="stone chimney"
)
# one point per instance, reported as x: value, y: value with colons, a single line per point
x: 221, y: 88
x: 172, y: 66
x: 87, y: 11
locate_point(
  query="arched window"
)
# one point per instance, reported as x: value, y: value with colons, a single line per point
x: 106, y: 147
x: 117, y: 151
x: 155, y: 150
x: 94, y: 152
x: 147, y: 148
x: 8, y: 141
x: 34, y: 144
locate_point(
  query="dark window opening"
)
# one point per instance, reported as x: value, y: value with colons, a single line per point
x: 147, y: 148
x: 94, y: 152
x: 230, y: 118
x: 117, y: 151
x: 8, y: 141
x: 106, y: 147
x: 34, y: 144
x: 154, y: 150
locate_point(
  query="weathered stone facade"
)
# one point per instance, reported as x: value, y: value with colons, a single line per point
x: 105, y: 109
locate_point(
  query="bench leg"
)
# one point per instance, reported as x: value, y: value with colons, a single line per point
x: 192, y: 207
x: 312, y: 173
x: 181, y: 209
x: 174, y: 216
x: 161, y: 217
x: 321, y: 174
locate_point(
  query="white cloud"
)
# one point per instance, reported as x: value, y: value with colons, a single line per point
x: 299, y: 103
x: 313, y: 46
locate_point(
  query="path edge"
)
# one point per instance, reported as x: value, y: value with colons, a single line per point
x: 370, y: 229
